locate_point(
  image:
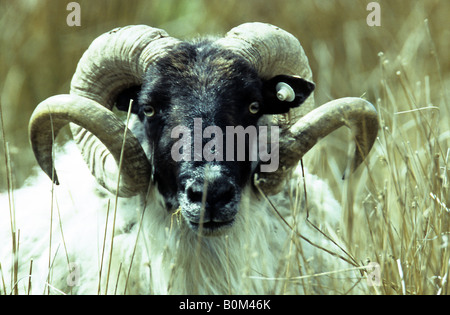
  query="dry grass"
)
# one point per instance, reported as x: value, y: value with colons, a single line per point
x: 396, y: 207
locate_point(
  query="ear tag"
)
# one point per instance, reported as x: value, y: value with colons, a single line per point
x: 285, y: 93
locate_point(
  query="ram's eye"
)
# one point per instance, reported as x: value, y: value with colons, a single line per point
x: 149, y: 111
x: 254, y: 108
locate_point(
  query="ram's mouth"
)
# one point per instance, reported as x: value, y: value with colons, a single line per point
x: 210, y: 228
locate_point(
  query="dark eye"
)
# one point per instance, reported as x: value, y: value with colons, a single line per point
x: 254, y: 108
x: 149, y: 111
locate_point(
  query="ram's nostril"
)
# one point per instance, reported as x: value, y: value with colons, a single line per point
x: 194, y: 194
x: 217, y: 194
x: 224, y: 194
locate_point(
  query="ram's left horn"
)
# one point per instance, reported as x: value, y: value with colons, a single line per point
x: 57, y: 111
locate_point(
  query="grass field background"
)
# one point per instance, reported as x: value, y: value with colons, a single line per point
x: 396, y: 206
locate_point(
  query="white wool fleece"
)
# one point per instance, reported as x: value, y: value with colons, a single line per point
x: 154, y: 252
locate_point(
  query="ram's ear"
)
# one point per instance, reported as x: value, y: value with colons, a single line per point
x: 283, y: 92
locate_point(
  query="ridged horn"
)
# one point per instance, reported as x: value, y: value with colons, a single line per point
x: 355, y: 113
x: 273, y: 51
x: 113, y: 62
x: 57, y: 111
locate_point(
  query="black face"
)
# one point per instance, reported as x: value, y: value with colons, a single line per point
x: 186, y: 103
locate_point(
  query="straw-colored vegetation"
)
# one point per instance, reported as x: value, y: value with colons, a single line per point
x: 397, y: 206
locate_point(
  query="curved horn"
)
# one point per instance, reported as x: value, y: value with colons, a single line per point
x: 355, y: 113
x: 57, y: 111
x: 113, y: 62
x: 117, y: 60
x: 272, y: 51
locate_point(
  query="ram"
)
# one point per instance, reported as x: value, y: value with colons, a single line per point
x: 211, y: 222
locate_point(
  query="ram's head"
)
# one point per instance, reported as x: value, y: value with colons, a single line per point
x: 203, y: 115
